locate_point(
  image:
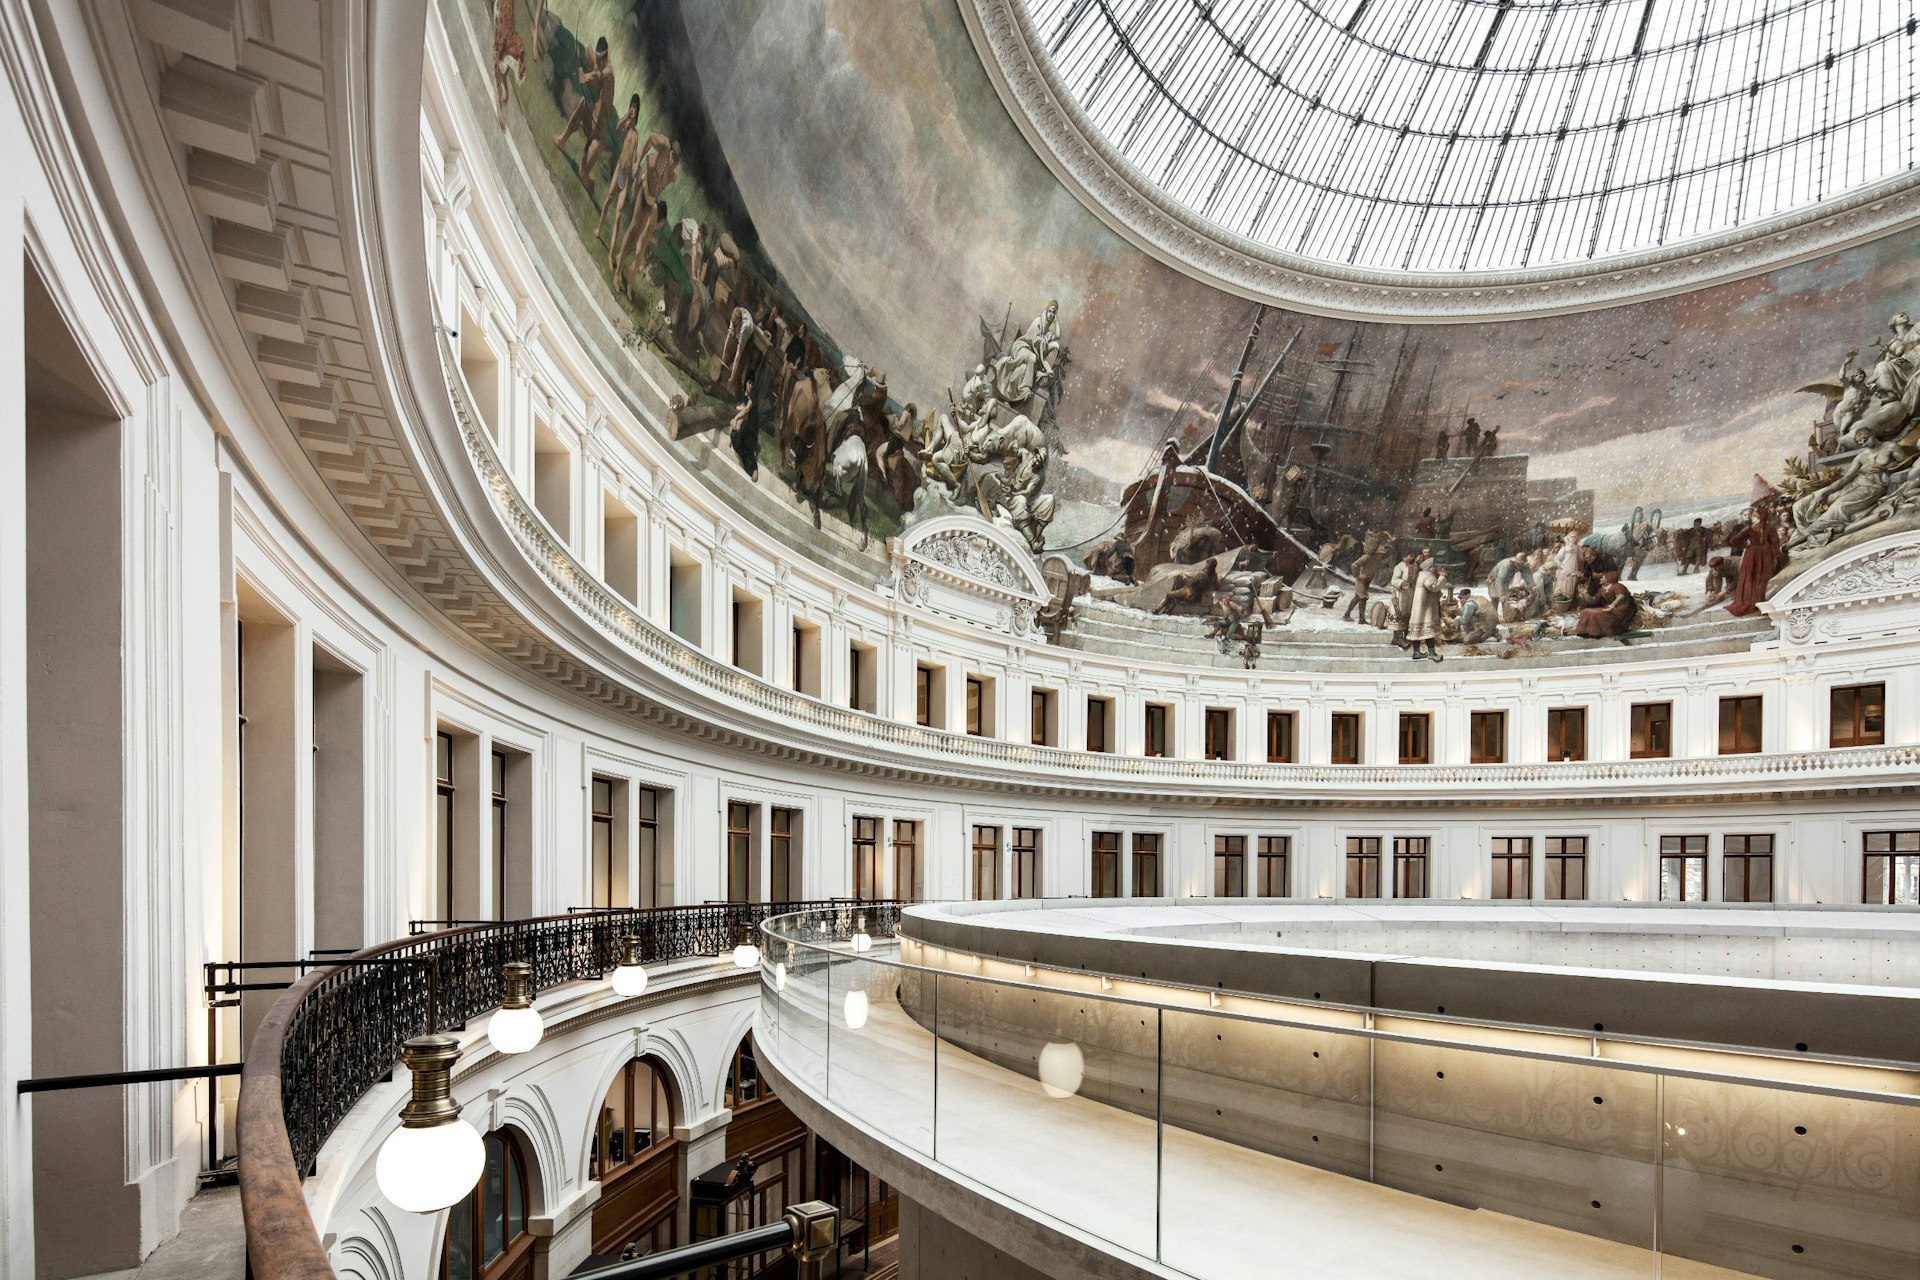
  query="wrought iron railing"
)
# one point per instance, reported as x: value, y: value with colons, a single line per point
x: 338, y: 1030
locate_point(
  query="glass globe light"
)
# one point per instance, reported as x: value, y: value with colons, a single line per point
x: 860, y: 941
x: 1062, y: 1068
x: 434, y: 1158
x: 855, y: 1009
x: 746, y: 956
x: 518, y: 1026
x: 629, y: 979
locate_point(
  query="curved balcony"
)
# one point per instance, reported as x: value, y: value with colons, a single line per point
x: 336, y: 1033
x: 1179, y: 1130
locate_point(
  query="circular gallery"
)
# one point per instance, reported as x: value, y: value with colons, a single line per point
x: 1016, y: 638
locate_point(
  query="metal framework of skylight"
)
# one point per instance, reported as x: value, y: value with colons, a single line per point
x: 1454, y: 136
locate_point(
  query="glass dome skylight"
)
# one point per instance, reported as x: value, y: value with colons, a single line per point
x: 1487, y: 135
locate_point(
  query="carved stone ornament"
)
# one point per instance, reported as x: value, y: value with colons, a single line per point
x: 1852, y: 594
x: 965, y: 567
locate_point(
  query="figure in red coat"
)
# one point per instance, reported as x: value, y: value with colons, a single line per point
x: 1758, y: 542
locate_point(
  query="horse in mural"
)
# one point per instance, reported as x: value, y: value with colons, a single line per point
x: 824, y: 431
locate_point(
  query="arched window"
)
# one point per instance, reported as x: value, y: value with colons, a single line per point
x: 632, y: 1158
x: 744, y: 1082
x: 487, y: 1232
x: 636, y: 1120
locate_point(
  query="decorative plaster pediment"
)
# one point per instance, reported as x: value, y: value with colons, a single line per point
x: 1870, y: 590
x: 969, y: 568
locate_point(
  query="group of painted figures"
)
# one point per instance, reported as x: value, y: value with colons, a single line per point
x: 1859, y: 468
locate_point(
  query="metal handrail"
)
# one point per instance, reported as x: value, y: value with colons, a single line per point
x: 336, y: 1032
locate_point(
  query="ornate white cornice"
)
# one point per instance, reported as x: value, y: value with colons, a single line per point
x: 1136, y: 208
x: 1849, y: 595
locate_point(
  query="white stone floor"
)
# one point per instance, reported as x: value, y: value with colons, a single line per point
x: 1228, y: 1212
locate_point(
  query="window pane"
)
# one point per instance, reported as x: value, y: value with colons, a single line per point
x: 493, y: 1209
x: 460, y: 1242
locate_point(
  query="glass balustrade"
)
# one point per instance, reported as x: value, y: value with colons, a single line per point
x: 1202, y: 1129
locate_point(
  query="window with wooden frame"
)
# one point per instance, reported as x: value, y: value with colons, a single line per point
x: 487, y: 1237
x: 1218, y: 723
x: 1105, y: 850
x: 1023, y: 853
x: 1279, y: 737
x: 923, y: 696
x: 1567, y: 733
x: 1890, y: 872
x: 1650, y: 730
x: 1146, y: 864
x: 1487, y: 737
x: 906, y: 859
x: 976, y: 706
x: 1683, y: 868
x: 647, y: 820
x: 1563, y: 869
x: 1857, y: 715
x: 1416, y: 737
x: 604, y: 850
x: 1154, y: 742
x: 1746, y: 868
x: 1740, y: 725
x: 1229, y: 866
x: 739, y: 851
x: 1344, y: 727
x: 1513, y: 867
x: 1271, y: 872
x: 866, y: 858
x: 1410, y: 872
x: 443, y: 825
x: 783, y: 859
x: 636, y: 1121
x: 1363, y: 866
x: 986, y: 863
x: 1099, y: 724
x: 1040, y: 730
x: 497, y: 775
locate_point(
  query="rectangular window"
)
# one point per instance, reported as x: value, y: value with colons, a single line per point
x: 739, y: 852
x: 1565, y: 868
x: 1650, y: 730
x: 1106, y: 864
x: 866, y: 858
x: 862, y: 667
x: 1746, y: 868
x: 1146, y: 864
x: 1416, y: 737
x: 1346, y: 737
x: 1099, y: 724
x: 1219, y: 735
x: 605, y: 875
x: 986, y: 864
x: 1857, y: 715
x: 1683, y: 868
x: 498, y: 774
x: 1363, y: 866
x: 1487, y: 737
x: 1273, y: 880
x: 1156, y: 729
x: 976, y: 706
x: 1891, y: 876
x: 1229, y: 866
x: 1040, y: 731
x: 783, y: 861
x: 1279, y: 737
x: 1023, y: 851
x: 1513, y: 867
x: 1567, y: 733
x: 1410, y: 866
x: 1739, y: 725
x: 648, y: 815
x: 923, y: 696
x: 443, y: 818
x: 906, y: 859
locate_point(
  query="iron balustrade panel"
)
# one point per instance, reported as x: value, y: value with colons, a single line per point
x: 345, y: 1036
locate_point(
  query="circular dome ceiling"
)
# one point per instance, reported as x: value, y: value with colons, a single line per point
x: 1474, y: 136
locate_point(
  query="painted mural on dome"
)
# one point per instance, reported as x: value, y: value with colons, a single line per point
x: 881, y: 306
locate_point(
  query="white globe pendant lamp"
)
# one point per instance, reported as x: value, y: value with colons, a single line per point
x: 746, y: 956
x: 434, y: 1158
x: 860, y: 941
x: 629, y: 978
x: 1062, y: 1068
x: 517, y: 1027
